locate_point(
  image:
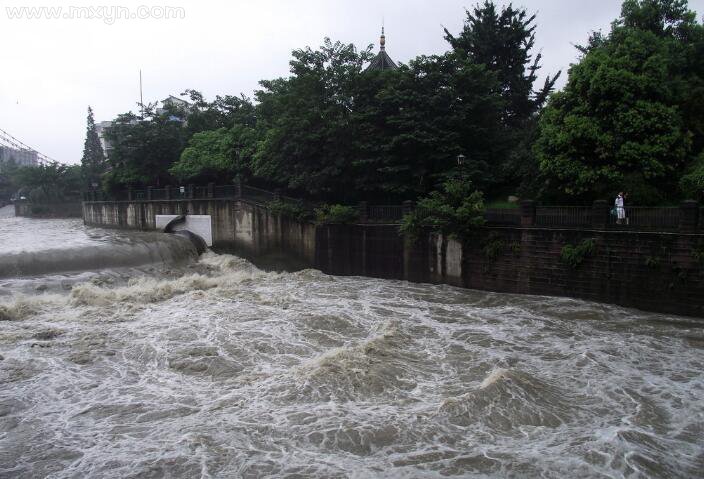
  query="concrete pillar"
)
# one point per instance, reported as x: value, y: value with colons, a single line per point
x: 211, y: 190
x: 363, y: 211
x: 689, y: 216
x: 189, y: 192
x: 527, y: 213
x: 167, y: 192
x: 238, y: 186
x: 130, y: 194
x: 149, y: 193
x: 600, y: 214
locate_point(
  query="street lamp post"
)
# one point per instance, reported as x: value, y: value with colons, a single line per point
x: 460, y: 167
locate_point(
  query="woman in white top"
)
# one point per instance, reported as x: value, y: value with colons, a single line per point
x: 620, y: 210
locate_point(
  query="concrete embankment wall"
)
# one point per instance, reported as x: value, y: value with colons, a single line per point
x: 239, y: 226
x: 652, y: 271
x: 53, y: 210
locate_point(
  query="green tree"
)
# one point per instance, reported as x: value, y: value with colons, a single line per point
x: 8, y: 185
x: 217, y: 155
x: 503, y: 41
x: 143, y: 150
x: 631, y: 115
x: 455, y: 210
x: 50, y: 183
x: 224, y: 112
x: 93, y: 160
x: 305, y: 120
x: 411, y: 124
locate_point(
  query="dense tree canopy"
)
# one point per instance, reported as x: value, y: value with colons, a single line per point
x: 336, y: 131
x: 415, y: 121
x: 631, y: 115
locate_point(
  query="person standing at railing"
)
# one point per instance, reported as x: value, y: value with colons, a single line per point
x: 620, y: 209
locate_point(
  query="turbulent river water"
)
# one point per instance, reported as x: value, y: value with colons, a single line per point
x: 183, y: 367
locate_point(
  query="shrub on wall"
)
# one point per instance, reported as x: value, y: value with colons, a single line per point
x: 455, y: 211
x: 698, y: 254
x: 290, y: 210
x: 574, y: 255
x: 336, y: 214
x: 493, y: 247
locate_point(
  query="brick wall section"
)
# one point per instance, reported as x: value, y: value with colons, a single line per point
x: 650, y: 271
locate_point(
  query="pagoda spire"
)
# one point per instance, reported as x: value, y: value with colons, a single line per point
x: 382, y: 61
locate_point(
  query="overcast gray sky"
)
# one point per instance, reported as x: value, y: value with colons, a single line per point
x: 53, y: 68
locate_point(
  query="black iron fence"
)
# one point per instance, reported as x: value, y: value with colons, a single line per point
x: 503, y: 216
x: 649, y: 218
x: 688, y: 217
x: 563, y: 216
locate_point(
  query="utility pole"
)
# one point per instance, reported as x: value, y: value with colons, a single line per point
x: 141, y: 101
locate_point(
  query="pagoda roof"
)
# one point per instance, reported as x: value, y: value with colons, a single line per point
x: 382, y: 61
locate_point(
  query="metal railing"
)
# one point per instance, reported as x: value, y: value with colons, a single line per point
x: 503, y: 216
x: 662, y: 218
x: 384, y: 213
x: 258, y: 195
x: 225, y: 191
x: 563, y: 216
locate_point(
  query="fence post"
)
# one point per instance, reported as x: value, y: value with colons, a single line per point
x: 527, y: 213
x: 408, y: 207
x: 211, y: 190
x: 167, y: 192
x: 189, y: 192
x: 689, y: 216
x: 363, y: 211
x: 129, y: 194
x: 600, y: 214
x: 277, y: 194
x: 93, y: 195
x: 238, y: 186
x: 149, y: 193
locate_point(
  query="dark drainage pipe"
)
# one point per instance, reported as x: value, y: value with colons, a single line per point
x: 198, y: 242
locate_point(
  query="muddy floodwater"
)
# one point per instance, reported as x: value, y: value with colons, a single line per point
x: 186, y: 367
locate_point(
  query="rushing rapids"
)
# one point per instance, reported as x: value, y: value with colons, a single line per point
x: 214, y: 368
